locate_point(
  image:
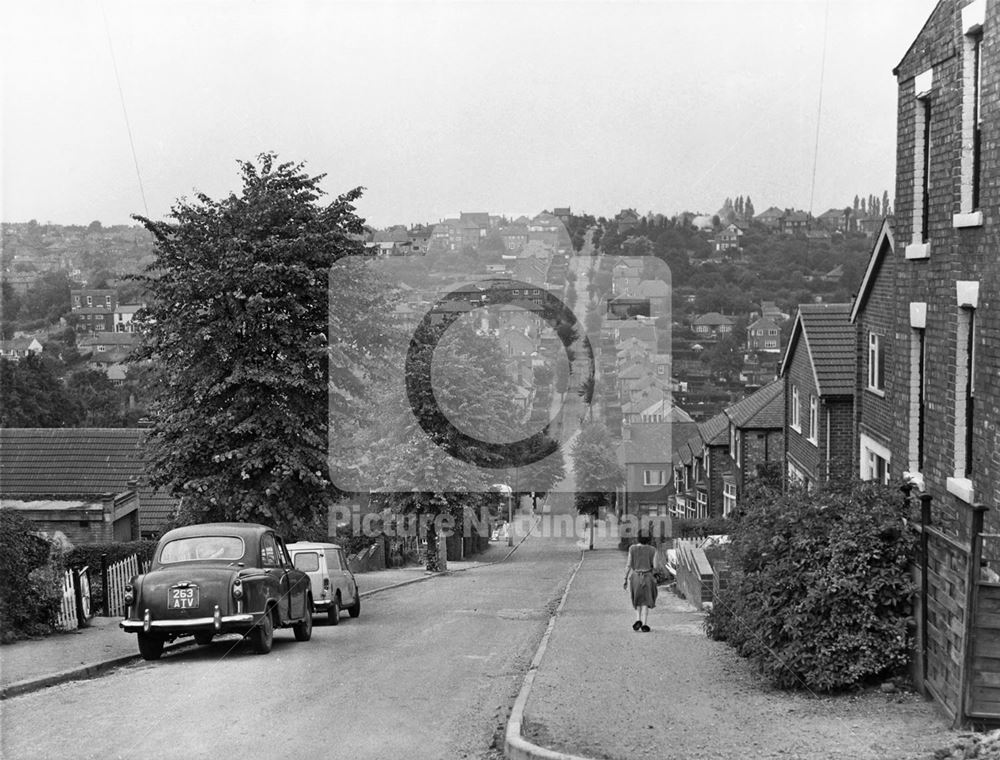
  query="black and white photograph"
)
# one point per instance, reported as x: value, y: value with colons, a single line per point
x: 502, y: 379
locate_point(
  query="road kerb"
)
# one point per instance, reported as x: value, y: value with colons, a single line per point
x: 79, y: 674
x: 516, y: 747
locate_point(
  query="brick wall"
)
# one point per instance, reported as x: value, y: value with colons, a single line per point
x: 720, y: 464
x: 806, y: 455
x: 955, y: 254
x: 759, y: 447
x: 874, y: 414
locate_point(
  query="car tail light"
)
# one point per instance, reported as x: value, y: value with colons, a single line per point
x: 129, y: 594
x: 237, y: 589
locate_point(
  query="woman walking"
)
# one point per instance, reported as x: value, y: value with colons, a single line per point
x: 639, y: 570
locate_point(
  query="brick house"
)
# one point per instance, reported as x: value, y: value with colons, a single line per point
x: 646, y: 452
x: 16, y: 349
x: 877, y: 383
x: 728, y: 238
x: 945, y: 407
x: 818, y: 370
x: 764, y: 334
x: 755, y: 437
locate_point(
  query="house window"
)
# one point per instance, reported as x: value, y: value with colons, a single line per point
x: 76, y: 302
x: 90, y: 300
x: 100, y: 347
x: 796, y: 423
x: 708, y: 462
x: 770, y: 344
x: 973, y: 16
x: 107, y: 300
x: 814, y: 419
x: 653, y: 477
x: 876, y: 363
x: 702, y: 504
x: 728, y: 498
x: 875, y: 459
x: 739, y: 445
x: 965, y: 387
x: 918, y: 388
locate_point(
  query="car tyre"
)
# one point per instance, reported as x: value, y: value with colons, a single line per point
x: 150, y: 646
x: 262, y: 635
x: 333, y: 612
x: 355, y: 609
x: 203, y: 638
x: 303, y: 630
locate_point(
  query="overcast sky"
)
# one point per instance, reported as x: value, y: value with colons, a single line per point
x: 440, y: 107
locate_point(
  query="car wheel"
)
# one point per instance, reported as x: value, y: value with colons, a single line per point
x: 304, y: 630
x: 203, y: 638
x: 262, y: 634
x: 355, y: 609
x: 150, y: 646
x: 333, y: 612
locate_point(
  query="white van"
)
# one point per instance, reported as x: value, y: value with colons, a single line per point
x: 333, y: 584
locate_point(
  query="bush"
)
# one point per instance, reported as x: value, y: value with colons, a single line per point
x: 819, y: 592
x: 30, y: 579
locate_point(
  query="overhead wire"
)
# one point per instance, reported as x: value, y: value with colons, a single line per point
x: 819, y: 105
x: 121, y: 98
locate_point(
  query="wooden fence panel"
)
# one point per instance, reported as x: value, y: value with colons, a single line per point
x: 945, y: 599
x: 119, y: 574
x: 984, y: 676
x: 66, y: 619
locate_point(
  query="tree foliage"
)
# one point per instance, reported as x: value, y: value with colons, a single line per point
x: 258, y: 360
x: 30, y: 579
x: 595, y: 467
x: 819, y: 595
x: 33, y: 396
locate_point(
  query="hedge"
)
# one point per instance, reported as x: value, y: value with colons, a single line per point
x: 819, y: 592
x: 30, y: 579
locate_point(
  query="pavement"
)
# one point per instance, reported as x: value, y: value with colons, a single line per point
x: 87, y: 652
x: 596, y: 689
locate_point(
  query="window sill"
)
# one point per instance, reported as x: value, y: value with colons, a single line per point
x: 918, y: 251
x: 813, y: 441
x: 962, y: 488
x: 876, y: 391
x: 796, y: 428
x: 972, y: 219
x: 916, y: 479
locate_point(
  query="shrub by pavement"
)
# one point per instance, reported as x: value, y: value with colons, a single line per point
x: 819, y: 593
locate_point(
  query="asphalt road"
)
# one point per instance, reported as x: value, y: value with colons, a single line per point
x: 428, y: 671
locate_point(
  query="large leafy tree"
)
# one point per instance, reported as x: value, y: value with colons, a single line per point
x: 262, y: 349
x: 31, y: 395
x: 597, y: 471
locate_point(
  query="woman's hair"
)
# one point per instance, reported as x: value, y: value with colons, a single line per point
x: 643, y: 538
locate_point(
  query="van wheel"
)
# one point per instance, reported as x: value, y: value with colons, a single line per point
x: 355, y: 609
x: 304, y: 630
x: 262, y: 635
x: 150, y: 645
x: 333, y: 612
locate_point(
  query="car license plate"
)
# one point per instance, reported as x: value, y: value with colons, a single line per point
x: 183, y: 598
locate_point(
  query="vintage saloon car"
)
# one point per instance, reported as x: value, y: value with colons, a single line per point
x: 218, y: 578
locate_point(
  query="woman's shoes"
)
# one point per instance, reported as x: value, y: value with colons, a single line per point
x: 645, y: 628
x: 636, y: 625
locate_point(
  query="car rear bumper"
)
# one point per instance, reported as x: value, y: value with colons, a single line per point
x: 322, y: 605
x: 216, y: 622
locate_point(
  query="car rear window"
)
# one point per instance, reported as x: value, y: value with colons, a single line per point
x: 202, y: 547
x: 307, y: 562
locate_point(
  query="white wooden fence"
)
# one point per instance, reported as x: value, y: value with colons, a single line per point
x: 67, y: 619
x: 119, y: 574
